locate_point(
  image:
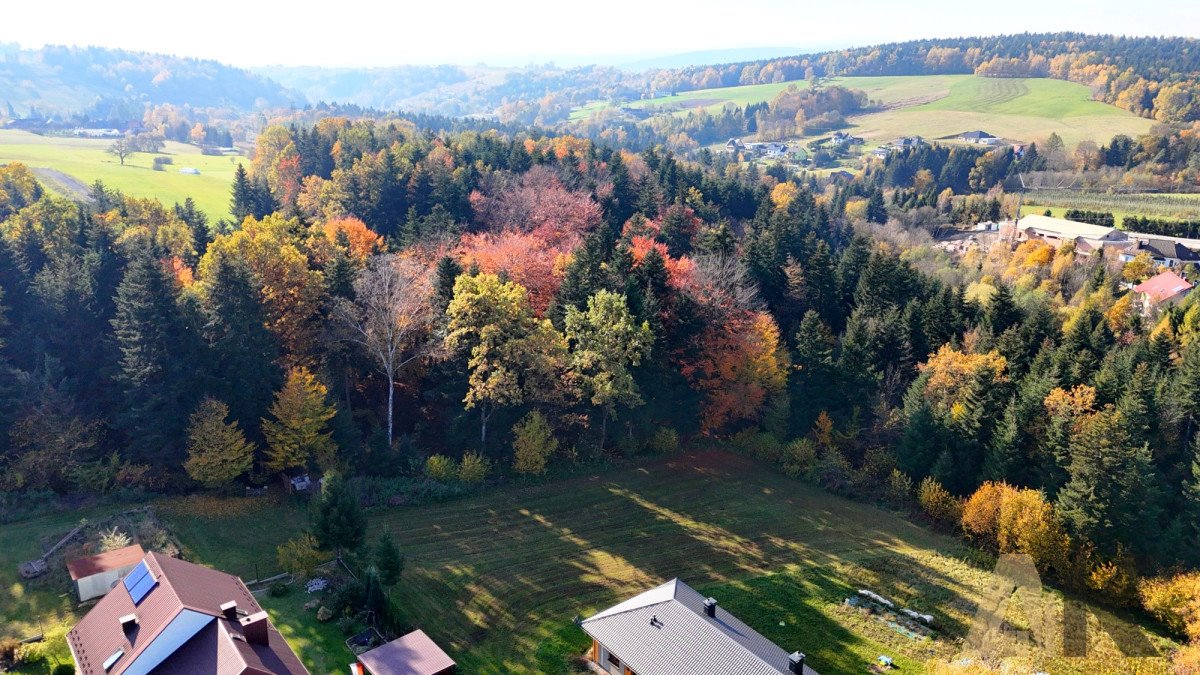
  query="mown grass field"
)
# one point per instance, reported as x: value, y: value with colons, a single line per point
x: 497, y: 579
x: 1168, y: 206
x: 933, y: 106
x: 86, y: 160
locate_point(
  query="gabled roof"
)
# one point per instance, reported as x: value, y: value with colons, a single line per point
x: 683, y: 640
x: 183, y: 610
x: 105, y: 562
x: 975, y: 135
x: 1163, y: 286
x: 1167, y: 248
x: 412, y: 654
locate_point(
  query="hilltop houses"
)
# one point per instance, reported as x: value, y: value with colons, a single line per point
x: 1160, y: 291
x: 978, y: 137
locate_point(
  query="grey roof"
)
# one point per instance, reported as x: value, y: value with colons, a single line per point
x: 683, y: 640
x: 1168, y: 248
x: 975, y: 135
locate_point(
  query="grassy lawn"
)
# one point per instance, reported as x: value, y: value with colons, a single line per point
x: 496, y: 579
x: 87, y: 161
x: 1165, y: 206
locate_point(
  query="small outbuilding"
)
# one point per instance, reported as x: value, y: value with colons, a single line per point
x: 413, y: 654
x: 98, y: 574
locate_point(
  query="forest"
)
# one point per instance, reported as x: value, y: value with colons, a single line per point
x: 391, y: 302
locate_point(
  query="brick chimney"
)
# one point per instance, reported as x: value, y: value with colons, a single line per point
x: 254, y: 628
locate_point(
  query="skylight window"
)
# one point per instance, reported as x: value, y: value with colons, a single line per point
x: 112, y: 660
x: 140, y: 582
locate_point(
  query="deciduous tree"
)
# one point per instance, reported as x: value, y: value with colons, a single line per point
x: 298, y: 431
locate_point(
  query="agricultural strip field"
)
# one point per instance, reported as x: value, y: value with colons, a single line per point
x: 86, y: 160
x: 498, y: 578
x: 1168, y: 206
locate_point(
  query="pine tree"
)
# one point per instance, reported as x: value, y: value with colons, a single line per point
x: 388, y: 560
x: 1111, y: 496
x: 876, y: 209
x: 218, y: 452
x: 245, y: 201
x: 1004, y: 453
x: 155, y: 356
x: 447, y: 271
x: 243, y: 350
x: 338, y: 521
x: 1001, y: 312
x: 197, y: 222
x: 298, y: 433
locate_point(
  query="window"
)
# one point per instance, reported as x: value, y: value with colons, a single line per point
x: 614, y: 660
x: 112, y: 660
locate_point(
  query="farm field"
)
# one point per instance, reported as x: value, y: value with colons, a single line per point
x: 1169, y: 206
x: 85, y: 161
x: 1015, y: 109
x: 498, y: 578
x: 935, y: 106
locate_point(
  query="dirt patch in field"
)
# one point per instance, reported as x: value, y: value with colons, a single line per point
x: 68, y: 186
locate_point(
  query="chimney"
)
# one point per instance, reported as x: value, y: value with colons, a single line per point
x: 229, y: 609
x: 710, y: 608
x: 796, y: 663
x: 254, y: 628
x: 129, y: 623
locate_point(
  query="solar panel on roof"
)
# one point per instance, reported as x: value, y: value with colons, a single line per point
x: 137, y: 574
x: 142, y: 588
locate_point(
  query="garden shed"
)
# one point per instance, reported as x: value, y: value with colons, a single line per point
x: 413, y: 654
x: 96, y: 575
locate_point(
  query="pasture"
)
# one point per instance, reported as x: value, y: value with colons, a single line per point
x: 85, y: 160
x: 498, y: 578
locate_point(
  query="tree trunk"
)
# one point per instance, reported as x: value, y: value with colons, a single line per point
x: 483, y: 420
x: 391, y: 398
x: 604, y: 429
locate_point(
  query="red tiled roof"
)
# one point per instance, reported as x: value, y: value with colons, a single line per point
x: 1163, y: 286
x: 413, y: 654
x: 105, y: 562
x: 181, y: 586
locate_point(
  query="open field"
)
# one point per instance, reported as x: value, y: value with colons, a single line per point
x: 498, y: 578
x: 1169, y: 206
x: 1015, y: 109
x: 86, y: 161
x: 933, y: 106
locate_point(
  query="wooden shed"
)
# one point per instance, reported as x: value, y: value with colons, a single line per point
x: 96, y: 575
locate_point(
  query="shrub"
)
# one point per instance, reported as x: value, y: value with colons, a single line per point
x: 759, y: 445
x: 799, y: 457
x: 938, y: 503
x: 324, y: 614
x: 1115, y: 579
x: 111, y: 540
x: 899, y: 489
x: 299, y: 556
x: 834, y: 473
x: 533, y: 444
x: 1175, y: 601
x: 280, y: 589
x: 981, y: 514
x: 63, y: 669
x: 473, y: 468
x: 441, y: 468
x: 10, y: 651
x: 665, y: 441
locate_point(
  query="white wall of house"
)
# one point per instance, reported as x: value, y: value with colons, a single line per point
x: 99, y: 584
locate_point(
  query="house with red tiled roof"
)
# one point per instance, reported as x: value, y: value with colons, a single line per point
x: 172, y: 616
x: 1161, y: 290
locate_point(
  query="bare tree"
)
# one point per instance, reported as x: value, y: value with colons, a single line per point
x: 390, y: 316
x: 122, y: 148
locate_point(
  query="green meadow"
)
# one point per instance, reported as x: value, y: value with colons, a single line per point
x: 497, y: 579
x: 85, y: 160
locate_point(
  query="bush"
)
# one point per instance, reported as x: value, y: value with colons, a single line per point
x: 1175, y: 601
x: 665, y: 441
x: 473, y: 468
x: 299, y: 556
x: 63, y: 669
x: 111, y: 540
x: 799, y: 458
x: 441, y: 468
x: 759, y: 445
x: 630, y: 445
x: 938, y: 503
x: 899, y: 489
x: 10, y: 651
x: 161, y: 162
x: 533, y: 444
x: 834, y: 473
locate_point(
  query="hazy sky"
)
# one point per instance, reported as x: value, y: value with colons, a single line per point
x: 352, y: 32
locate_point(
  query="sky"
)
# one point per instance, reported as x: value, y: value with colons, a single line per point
x: 498, y: 32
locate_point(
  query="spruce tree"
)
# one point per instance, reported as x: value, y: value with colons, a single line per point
x: 155, y: 361
x: 243, y: 350
x: 338, y: 521
x: 244, y: 201
x: 218, y: 452
x: 388, y: 560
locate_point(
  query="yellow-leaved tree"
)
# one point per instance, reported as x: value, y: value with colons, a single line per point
x: 298, y: 432
x: 218, y: 452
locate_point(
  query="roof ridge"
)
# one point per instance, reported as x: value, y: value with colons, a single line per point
x: 705, y: 618
x: 633, y: 608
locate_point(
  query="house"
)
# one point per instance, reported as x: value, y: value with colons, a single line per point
x: 840, y: 138
x: 908, y: 142
x: 1058, y: 231
x: 734, y: 145
x: 1161, y: 290
x: 673, y: 630
x: 841, y: 175
x: 98, y: 574
x: 980, y: 137
x: 413, y: 654
x: 1164, y: 252
x: 171, y: 616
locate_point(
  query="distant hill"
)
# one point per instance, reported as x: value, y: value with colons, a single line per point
x: 58, y: 80
x: 709, y: 56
